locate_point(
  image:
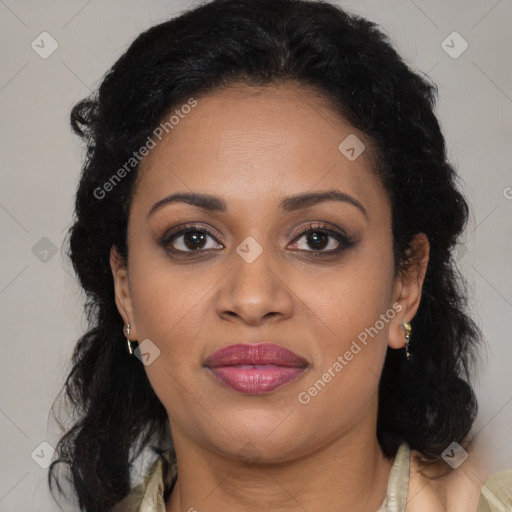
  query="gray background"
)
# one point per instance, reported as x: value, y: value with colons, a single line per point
x: 40, y: 302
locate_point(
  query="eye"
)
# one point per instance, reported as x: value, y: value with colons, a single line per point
x: 322, y: 241
x: 191, y: 239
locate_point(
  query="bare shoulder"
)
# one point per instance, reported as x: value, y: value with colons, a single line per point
x: 457, y: 486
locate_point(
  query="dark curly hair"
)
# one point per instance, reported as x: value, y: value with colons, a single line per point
x: 426, y: 401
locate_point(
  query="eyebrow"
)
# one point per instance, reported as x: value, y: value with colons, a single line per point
x: 212, y: 203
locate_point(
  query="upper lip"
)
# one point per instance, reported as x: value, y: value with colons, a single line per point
x: 259, y: 353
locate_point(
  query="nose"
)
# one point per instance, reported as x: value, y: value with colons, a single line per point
x: 256, y: 292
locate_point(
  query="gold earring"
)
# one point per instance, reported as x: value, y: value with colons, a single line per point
x: 407, y: 327
x: 127, y: 333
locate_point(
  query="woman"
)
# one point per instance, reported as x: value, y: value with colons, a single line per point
x: 264, y: 229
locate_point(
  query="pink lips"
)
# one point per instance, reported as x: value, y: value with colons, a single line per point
x: 255, y: 369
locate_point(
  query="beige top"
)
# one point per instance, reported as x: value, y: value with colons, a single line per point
x: 495, y: 496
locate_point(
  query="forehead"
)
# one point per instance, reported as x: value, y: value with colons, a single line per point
x: 249, y: 143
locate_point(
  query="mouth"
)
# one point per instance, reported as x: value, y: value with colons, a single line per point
x: 254, y: 369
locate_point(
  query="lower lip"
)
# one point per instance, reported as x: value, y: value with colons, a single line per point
x: 257, y: 379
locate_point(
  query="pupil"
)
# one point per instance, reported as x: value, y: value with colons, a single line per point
x: 315, y: 237
x: 194, y: 238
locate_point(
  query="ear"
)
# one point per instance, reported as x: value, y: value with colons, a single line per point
x: 122, y: 293
x: 407, y: 288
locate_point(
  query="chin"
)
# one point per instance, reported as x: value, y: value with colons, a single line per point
x: 266, y: 438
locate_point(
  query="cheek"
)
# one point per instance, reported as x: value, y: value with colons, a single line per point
x: 352, y: 311
x: 166, y: 307
x: 165, y: 297
x: 350, y: 299
x: 352, y: 314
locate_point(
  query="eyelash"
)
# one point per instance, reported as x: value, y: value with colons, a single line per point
x: 345, y: 242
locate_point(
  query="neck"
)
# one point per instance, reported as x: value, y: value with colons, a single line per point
x: 348, y: 474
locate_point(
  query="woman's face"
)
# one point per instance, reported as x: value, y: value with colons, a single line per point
x: 247, y: 273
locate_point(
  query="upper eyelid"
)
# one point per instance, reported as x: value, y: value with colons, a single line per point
x: 189, y: 227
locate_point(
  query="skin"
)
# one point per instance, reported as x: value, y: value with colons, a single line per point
x: 252, y: 147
